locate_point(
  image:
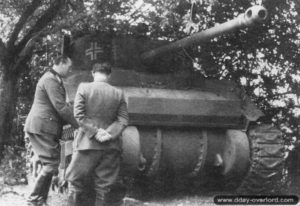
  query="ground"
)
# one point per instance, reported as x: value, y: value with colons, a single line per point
x: 16, y: 196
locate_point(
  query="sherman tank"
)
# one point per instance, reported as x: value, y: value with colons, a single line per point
x: 181, y: 124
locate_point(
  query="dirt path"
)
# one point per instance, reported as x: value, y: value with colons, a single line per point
x: 16, y: 196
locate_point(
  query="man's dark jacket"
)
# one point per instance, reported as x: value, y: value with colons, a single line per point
x: 99, y: 105
x: 49, y: 111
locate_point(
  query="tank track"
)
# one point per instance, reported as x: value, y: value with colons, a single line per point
x: 265, y: 174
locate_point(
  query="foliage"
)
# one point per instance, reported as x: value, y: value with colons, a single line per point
x: 13, y: 166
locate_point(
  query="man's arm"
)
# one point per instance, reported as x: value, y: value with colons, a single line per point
x: 80, y: 113
x: 56, y: 94
x: 117, y: 127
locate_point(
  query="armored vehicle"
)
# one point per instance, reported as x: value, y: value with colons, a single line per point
x: 181, y: 124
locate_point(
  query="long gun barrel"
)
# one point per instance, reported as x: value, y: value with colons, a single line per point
x: 253, y: 15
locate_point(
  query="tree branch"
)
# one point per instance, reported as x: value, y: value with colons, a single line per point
x: 30, y: 45
x: 3, y: 65
x: 280, y: 94
x: 3, y: 50
x: 77, y: 6
x: 42, y: 22
x: 25, y: 15
x: 24, y: 54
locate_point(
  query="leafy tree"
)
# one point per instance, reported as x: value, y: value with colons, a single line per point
x: 22, y: 23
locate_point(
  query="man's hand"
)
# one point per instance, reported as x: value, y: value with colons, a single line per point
x: 102, y: 135
x: 60, y: 185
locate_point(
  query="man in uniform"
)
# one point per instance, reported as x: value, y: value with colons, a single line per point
x: 48, y: 114
x: 101, y: 112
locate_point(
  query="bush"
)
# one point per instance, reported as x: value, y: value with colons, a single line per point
x: 13, y: 165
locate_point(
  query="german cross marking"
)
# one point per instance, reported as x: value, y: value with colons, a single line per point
x: 93, y: 50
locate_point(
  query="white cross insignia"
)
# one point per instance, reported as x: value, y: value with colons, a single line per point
x: 93, y: 51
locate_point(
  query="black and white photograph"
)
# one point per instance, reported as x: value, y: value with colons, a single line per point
x: 149, y: 102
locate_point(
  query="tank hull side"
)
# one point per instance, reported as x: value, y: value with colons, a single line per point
x: 202, y: 154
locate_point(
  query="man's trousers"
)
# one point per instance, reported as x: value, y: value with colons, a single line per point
x: 102, y: 166
x: 46, y: 147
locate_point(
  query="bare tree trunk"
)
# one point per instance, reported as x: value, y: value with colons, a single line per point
x: 8, y: 97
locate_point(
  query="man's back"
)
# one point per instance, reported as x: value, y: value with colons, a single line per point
x: 102, y: 102
x: 98, y: 105
x: 42, y: 104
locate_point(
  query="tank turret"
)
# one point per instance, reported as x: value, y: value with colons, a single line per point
x: 253, y: 15
x: 143, y: 54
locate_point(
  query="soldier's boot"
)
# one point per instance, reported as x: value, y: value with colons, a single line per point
x: 76, y: 199
x: 116, y: 194
x: 38, y: 196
